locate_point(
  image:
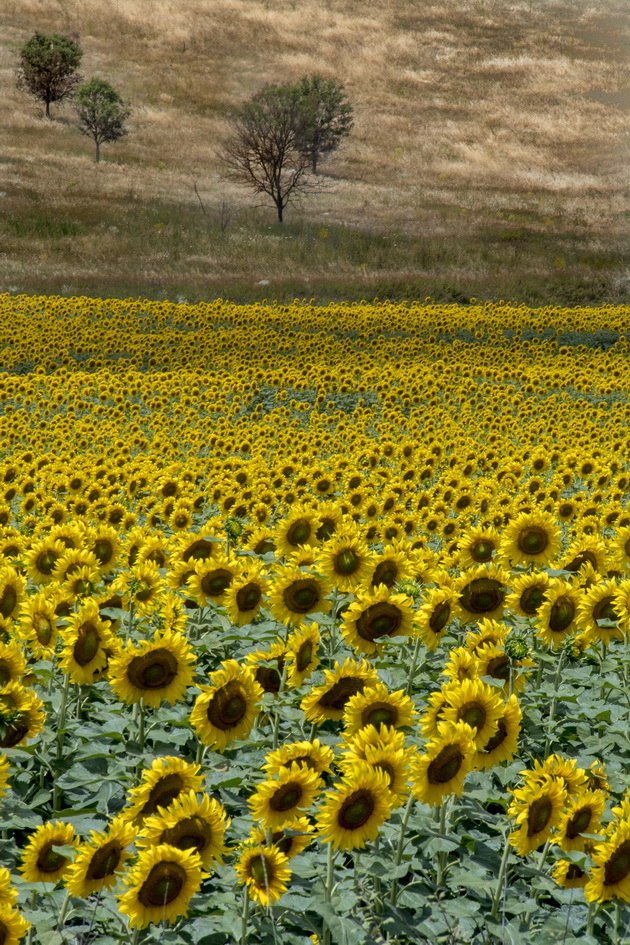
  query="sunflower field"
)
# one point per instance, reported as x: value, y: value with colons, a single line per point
x: 314, y: 623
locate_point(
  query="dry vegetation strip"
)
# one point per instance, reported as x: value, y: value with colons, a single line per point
x: 489, y: 150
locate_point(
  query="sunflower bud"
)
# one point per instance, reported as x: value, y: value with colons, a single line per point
x: 573, y: 648
x: 410, y: 588
x: 516, y: 647
x: 234, y: 527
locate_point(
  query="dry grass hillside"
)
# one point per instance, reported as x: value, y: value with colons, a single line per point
x: 489, y: 155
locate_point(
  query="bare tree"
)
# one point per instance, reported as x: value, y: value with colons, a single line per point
x: 263, y: 150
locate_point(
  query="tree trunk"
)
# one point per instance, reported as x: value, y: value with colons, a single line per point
x: 279, y: 206
x: 47, y: 109
x: 314, y: 165
x: 98, y: 152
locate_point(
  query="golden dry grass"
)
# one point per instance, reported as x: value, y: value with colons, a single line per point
x: 494, y: 130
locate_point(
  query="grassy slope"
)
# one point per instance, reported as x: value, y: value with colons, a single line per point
x: 488, y: 158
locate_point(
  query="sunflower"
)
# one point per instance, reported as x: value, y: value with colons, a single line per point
x: 100, y: 860
x: 441, y: 770
x: 537, y: 808
x: 246, y: 595
x: 12, y: 592
x: 282, y: 798
x: 557, y: 617
x: 40, y: 862
x: 569, y: 875
x: 478, y: 705
x: 610, y: 876
x: 268, y: 666
x: 41, y: 558
x: 488, y: 632
x: 531, y: 538
x: 389, y: 567
x: 8, y: 892
x: 141, y: 586
x: 376, y: 616
x: 377, y: 706
x: 346, y: 561
x: 571, y: 778
x: 291, y: 839
x: 583, y: 549
x: 264, y: 871
x: 21, y: 715
x: 621, y: 606
x: 72, y: 561
x: 298, y: 528
x: 503, y: 744
x: 261, y: 541
x: 478, y: 545
x: 438, y: 701
x: 461, y: 665
x: 13, y: 925
x: 85, y: 642
x: 433, y: 618
x: 5, y: 768
x: 481, y: 591
x: 386, y: 754
x: 191, y: 547
x: 598, y: 604
x: 160, y: 785
x: 301, y: 655
x: 12, y: 662
x: 354, y: 811
x: 151, y: 671
x: 162, y: 883
x: 328, y: 700
x: 493, y: 661
x: 313, y: 755
x: 528, y: 593
x: 189, y: 823
x: 227, y: 709
x: 105, y: 545
x: 582, y: 815
x: 295, y: 593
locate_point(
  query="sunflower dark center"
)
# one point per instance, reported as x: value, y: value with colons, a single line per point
x: 380, y: 714
x: 191, y: 833
x: 260, y: 870
x: 104, y: 861
x: 346, y: 562
x: 153, y: 670
x: 87, y: 645
x: 497, y: 739
x: 216, y: 582
x: 561, y: 614
x: 481, y: 550
x: 582, y: 558
x: 339, y: 693
x: 163, y: 885
x: 269, y: 678
x: 326, y: 530
x: 49, y: 861
x: 388, y: 769
x: 305, y: 760
x: 264, y: 545
x: 474, y: 714
x: 286, y: 797
x: 379, y: 620
x: 143, y: 591
x: 482, y: 595
x: 103, y: 551
x: 248, y: 597
x: 8, y: 601
x: 440, y: 616
x: 604, y: 610
x: 579, y: 823
x: 284, y: 844
x: 539, y: 815
x: 15, y: 731
x: 163, y: 793
x: 46, y: 561
x: 200, y: 549
x: 227, y: 706
x: 532, y: 540
x: 356, y: 810
x: 531, y: 598
x: 304, y: 656
x: 301, y: 596
x: 618, y: 866
x: 499, y: 667
x: 446, y: 765
x: 574, y: 872
x: 299, y: 532
x: 385, y: 573
x: 43, y: 629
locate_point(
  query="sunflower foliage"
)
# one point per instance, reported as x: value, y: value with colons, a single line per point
x: 313, y: 624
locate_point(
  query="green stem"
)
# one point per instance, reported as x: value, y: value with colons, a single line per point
x: 512, y: 678
x: 412, y: 668
x: 552, y: 707
x: 245, y: 916
x: 276, y: 718
x: 330, y: 873
x: 62, y: 914
x: 31, y: 931
x: 131, y: 616
x: 539, y: 674
x: 401, y: 847
x: 201, y: 750
x: 442, y: 855
x: 543, y: 855
x: 141, y: 726
x: 502, y: 873
x: 63, y: 710
x: 590, y: 922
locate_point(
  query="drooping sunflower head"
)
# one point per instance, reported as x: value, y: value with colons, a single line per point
x: 302, y: 653
x: 569, y: 776
x: 100, y: 860
x: 328, y: 700
x: 376, y: 616
x: 502, y: 745
x: 435, y: 615
x: 268, y: 666
x: 290, y: 839
x: 313, y: 755
x: 41, y: 863
x: 461, y: 665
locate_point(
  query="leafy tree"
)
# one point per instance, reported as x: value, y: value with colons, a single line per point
x: 48, y: 68
x: 326, y: 117
x: 263, y: 148
x: 102, y: 113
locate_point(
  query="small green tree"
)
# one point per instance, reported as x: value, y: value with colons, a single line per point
x: 48, y: 68
x: 326, y: 117
x: 102, y: 113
